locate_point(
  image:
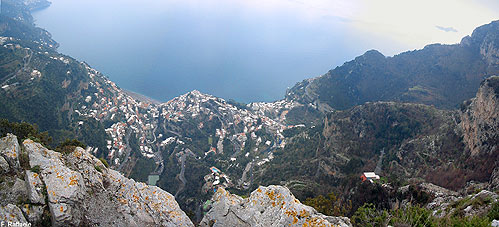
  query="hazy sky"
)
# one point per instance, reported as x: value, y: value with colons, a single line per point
x: 409, y: 23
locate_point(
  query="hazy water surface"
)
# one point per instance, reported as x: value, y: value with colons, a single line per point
x: 164, y: 48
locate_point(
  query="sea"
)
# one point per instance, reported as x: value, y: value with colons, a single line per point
x: 228, y: 48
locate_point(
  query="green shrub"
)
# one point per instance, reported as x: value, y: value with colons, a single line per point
x: 494, y: 212
x: 69, y: 146
x: 367, y: 215
x: 98, y: 168
x: 35, y: 169
x: 104, y: 162
x: 412, y: 216
x: 24, y: 160
x: 24, y: 131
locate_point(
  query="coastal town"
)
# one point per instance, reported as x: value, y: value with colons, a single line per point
x: 253, y: 132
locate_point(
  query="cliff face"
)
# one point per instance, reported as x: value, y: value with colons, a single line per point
x: 480, y: 120
x: 76, y: 189
x: 480, y: 125
x: 267, y: 206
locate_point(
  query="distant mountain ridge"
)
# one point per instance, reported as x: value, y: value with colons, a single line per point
x: 440, y: 75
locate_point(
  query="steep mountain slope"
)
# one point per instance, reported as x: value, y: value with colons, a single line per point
x: 440, y: 75
x: 399, y: 141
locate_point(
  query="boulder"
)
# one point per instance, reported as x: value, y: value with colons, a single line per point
x: 34, y: 186
x: 4, y: 165
x: 12, y: 214
x: 149, y: 204
x: 267, y: 206
x: 65, y: 187
x: 33, y: 213
x: 10, y: 150
x: 82, y: 191
x: 12, y: 190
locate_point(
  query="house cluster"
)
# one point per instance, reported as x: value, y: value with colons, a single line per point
x: 275, y: 110
x: 110, y: 103
x: 216, y: 179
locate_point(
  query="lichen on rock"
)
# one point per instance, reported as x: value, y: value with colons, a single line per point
x: 267, y: 206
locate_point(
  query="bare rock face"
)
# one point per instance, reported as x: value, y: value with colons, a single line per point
x: 81, y: 191
x: 11, y: 213
x: 35, y: 187
x: 480, y: 120
x: 267, y: 206
x: 9, y: 151
x: 494, y: 180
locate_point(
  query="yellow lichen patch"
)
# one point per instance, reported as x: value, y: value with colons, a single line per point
x: 304, y: 214
x: 291, y: 213
x: 147, y: 197
x: 61, y: 209
x: 295, y: 220
x: 314, y: 222
x: 27, y: 208
x: 73, y: 181
x: 35, y: 175
x: 259, y: 190
x: 77, y: 153
x: 271, y: 195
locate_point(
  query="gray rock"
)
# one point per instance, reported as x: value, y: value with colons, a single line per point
x: 149, y: 204
x: 11, y: 213
x: 495, y: 223
x: 82, y: 191
x: 4, y: 165
x: 81, y: 161
x: 33, y: 213
x: 10, y: 150
x: 34, y: 188
x: 13, y: 190
x: 65, y: 187
x: 267, y: 206
x: 41, y: 156
x: 484, y: 195
x: 494, y: 179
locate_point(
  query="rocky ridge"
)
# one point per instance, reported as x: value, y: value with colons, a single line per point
x: 266, y: 206
x: 76, y: 189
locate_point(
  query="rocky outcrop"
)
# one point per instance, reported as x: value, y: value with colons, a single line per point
x: 267, y: 206
x: 494, y: 180
x: 480, y: 119
x: 12, y: 214
x: 447, y: 202
x: 9, y: 152
x: 76, y: 189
